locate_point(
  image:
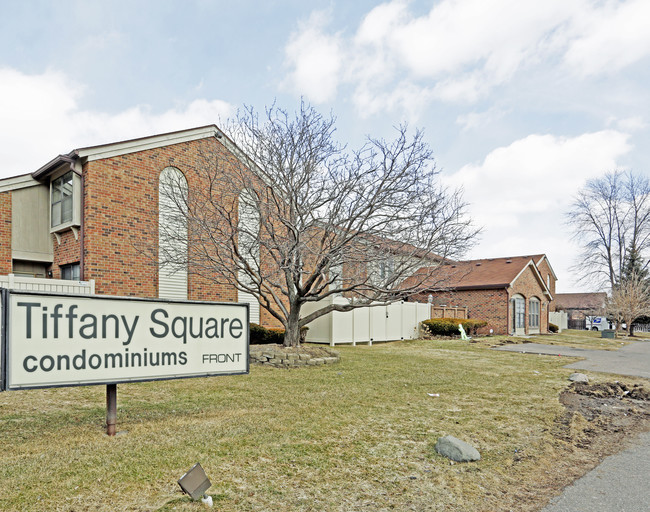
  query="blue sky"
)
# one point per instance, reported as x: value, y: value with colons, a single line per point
x: 522, y: 101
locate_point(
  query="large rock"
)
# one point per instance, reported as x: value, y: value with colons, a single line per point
x: 457, y: 450
x: 578, y: 377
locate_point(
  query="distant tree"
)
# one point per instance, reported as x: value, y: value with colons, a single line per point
x: 630, y: 300
x: 610, y: 217
x: 296, y: 218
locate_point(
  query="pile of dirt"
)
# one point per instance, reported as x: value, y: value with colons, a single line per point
x: 599, y: 416
x: 612, y: 389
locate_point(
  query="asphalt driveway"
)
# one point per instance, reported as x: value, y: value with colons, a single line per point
x: 632, y: 359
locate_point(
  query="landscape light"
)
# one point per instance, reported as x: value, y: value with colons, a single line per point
x: 195, y: 482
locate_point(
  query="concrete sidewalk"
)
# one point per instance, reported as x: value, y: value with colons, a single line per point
x: 632, y: 359
x: 618, y: 484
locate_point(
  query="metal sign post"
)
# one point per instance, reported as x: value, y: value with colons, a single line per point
x: 111, y: 408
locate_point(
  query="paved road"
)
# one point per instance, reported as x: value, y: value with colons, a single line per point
x: 620, y: 483
x: 632, y: 359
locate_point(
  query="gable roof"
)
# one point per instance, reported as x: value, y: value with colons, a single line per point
x: 580, y: 300
x: 113, y: 149
x: 485, y: 274
x: 539, y: 258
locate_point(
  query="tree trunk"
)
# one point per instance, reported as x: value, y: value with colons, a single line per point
x: 292, y: 328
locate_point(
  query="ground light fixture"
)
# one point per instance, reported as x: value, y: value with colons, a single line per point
x: 195, y: 483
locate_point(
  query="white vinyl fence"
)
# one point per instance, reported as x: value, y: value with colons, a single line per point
x: 38, y: 284
x: 397, y: 321
x: 559, y: 318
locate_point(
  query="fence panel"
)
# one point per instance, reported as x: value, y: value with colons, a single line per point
x: 448, y: 312
x: 577, y: 324
x: 38, y: 284
x: 394, y: 322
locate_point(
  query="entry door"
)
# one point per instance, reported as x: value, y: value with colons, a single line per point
x: 519, y: 315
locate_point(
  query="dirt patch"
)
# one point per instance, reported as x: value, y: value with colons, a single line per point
x: 599, y: 416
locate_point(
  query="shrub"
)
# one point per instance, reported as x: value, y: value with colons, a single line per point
x: 449, y: 326
x: 552, y: 327
x: 263, y: 336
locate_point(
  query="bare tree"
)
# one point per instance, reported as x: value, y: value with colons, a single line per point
x: 630, y: 300
x: 296, y: 218
x: 611, y: 220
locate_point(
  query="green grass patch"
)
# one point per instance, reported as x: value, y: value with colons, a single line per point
x: 355, y: 435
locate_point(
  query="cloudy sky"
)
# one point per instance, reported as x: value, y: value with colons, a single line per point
x: 522, y: 101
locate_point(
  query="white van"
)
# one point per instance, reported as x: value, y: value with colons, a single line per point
x: 597, y: 323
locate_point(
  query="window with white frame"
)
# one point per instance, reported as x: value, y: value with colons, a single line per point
x: 71, y: 272
x: 519, y: 311
x: 61, y: 200
x: 533, y: 314
x: 336, y: 275
x: 249, y: 247
x: 172, y: 234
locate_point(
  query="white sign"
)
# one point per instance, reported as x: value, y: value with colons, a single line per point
x: 63, y: 340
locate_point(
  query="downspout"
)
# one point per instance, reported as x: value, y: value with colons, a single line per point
x: 81, y: 227
x: 73, y: 166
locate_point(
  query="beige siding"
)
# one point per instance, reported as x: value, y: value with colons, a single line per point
x: 30, y: 230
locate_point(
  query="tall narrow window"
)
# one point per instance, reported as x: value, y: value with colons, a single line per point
x: 172, y: 234
x: 61, y: 200
x: 533, y: 316
x: 336, y: 275
x: 249, y: 248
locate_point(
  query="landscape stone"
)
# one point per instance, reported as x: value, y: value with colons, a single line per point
x: 456, y: 450
x: 281, y: 357
x: 578, y: 377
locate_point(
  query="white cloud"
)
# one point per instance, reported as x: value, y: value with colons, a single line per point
x: 475, y: 120
x: 315, y: 59
x: 40, y: 118
x: 610, y: 38
x: 461, y: 50
x: 520, y: 192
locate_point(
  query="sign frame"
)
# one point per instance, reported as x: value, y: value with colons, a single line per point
x: 6, y: 341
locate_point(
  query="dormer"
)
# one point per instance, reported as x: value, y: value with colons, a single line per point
x: 63, y: 175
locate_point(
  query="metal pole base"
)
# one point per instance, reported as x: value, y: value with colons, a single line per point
x: 111, y: 408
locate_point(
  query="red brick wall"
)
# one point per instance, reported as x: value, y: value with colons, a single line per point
x: 66, y: 251
x: 488, y: 305
x: 121, y: 222
x: 5, y: 233
x: 545, y: 270
x: 528, y: 285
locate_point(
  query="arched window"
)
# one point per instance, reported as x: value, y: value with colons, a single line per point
x: 533, y: 313
x: 249, y: 248
x: 519, y: 313
x: 172, y: 234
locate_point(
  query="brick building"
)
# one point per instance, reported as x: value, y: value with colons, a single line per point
x: 579, y: 306
x: 514, y: 295
x: 89, y: 213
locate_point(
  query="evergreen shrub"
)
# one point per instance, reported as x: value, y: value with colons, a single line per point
x: 449, y: 326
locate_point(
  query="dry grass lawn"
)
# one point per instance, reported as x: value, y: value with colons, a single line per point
x: 570, y: 338
x: 357, y: 435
